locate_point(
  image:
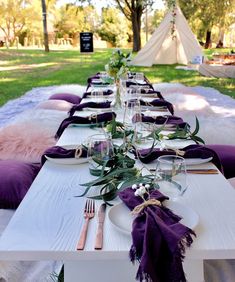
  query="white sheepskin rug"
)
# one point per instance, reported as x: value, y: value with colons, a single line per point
x: 25, y: 142
x: 215, y: 111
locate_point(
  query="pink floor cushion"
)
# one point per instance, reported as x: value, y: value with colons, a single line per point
x: 226, y: 154
x: 59, y: 105
x: 74, y: 99
x: 25, y: 142
x: 16, y: 178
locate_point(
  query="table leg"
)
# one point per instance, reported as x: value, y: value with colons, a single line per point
x: 194, y: 270
x: 119, y: 270
x: 99, y: 270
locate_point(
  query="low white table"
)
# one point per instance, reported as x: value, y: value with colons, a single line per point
x: 47, y: 224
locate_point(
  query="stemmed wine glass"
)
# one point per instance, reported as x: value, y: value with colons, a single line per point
x: 171, y: 176
x: 100, y: 150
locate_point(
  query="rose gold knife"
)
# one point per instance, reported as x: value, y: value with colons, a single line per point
x: 99, y: 233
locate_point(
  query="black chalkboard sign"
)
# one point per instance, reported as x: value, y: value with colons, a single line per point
x: 86, y: 42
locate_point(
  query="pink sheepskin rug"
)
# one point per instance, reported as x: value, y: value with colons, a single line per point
x: 24, y: 141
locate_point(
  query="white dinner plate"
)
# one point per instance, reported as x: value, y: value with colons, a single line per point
x: 197, y: 161
x: 99, y: 110
x: 120, y: 216
x: 67, y: 161
x: 85, y: 114
x: 85, y: 124
x: 177, y: 143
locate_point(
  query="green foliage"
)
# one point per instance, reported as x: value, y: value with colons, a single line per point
x: 71, y: 20
x: 118, y: 63
x: 114, y: 175
x: 204, y: 15
x: 22, y: 70
x: 114, y: 27
x: 185, y: 133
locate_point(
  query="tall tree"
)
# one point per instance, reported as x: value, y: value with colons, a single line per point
x: 13, y: 17
x: 207, y: 14
x: 44, y: 20
x: 133, y: 11
x: 114, y: 27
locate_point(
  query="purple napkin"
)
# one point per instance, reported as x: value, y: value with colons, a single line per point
x: 173, y: 120
x: 105, y: 117
x: 191, y: 151
x: 96, y: 76
x: 57, y: 152
x: 105, y: 93
x: 150, y: 91
x: 226, y: 154
x: 94, y: 105
x: 158, y: 240
x: 159, y: 103
x: 133, y: 83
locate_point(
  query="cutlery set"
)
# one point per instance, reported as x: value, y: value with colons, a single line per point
x: 89, y: 213
x: 196, y: 171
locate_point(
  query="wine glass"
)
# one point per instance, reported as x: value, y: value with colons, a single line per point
x: 100, y: 150
x: 132, y: 112
x: 171, y: 176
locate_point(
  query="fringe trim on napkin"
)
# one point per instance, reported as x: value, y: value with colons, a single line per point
x: 174, y: 274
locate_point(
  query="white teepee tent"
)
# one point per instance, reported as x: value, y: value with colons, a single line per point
x: 162, y: 48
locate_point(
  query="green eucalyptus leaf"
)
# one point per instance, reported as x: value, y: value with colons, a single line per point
x: 196, y: 130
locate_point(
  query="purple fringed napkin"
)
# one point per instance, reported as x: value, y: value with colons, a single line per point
x: 96, y: 76
x: 94, y: 105
x: 92, y: 120
x: 158, y: 240
x: 134, y: 83
x: 105, y: 93
x: 160, y: 120
x: 57, y: 152
x: 191, y: 151
x: 158, y: 103
x: 150, y: 91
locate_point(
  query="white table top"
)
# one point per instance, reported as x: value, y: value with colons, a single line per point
x: 48, y: 222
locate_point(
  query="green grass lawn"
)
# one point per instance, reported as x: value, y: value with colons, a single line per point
x: 22, y: 70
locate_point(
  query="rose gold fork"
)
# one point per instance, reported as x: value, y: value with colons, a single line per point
x: 89, y: 212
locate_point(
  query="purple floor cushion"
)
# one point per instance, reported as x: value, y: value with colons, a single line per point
x: 15, y: 180
x: 74, y: 99
x: 226, y: 153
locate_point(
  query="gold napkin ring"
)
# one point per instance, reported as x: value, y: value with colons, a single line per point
x: 78, y: 152
x: 138, y: 209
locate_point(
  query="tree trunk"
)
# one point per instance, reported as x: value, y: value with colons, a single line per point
x: 208, y: 39
x: 220, y: 43
x: 136, y: 25
x: 44, y: 19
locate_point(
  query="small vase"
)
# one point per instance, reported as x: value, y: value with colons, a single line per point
x: 118, y: 101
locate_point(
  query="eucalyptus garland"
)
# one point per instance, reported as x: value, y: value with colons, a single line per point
x: 119, y: 171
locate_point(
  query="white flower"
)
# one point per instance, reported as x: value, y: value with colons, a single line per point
x: 134, y: 186
x: 142, y: 190
x: 147, y: 186
x: 138, y: 193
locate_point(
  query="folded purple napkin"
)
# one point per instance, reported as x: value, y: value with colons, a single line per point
x: 226, y: 154
x: 173, y: 120
x: 96, y: 76
x: 158, y: 240
x: 104, y: 117
x: 133, y: 83
x: 150, y: 91
x: 191, y: 151
x: 57, y: 152
x: 105, y: 93
x: 159, y: 103
x: 94, y: 105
